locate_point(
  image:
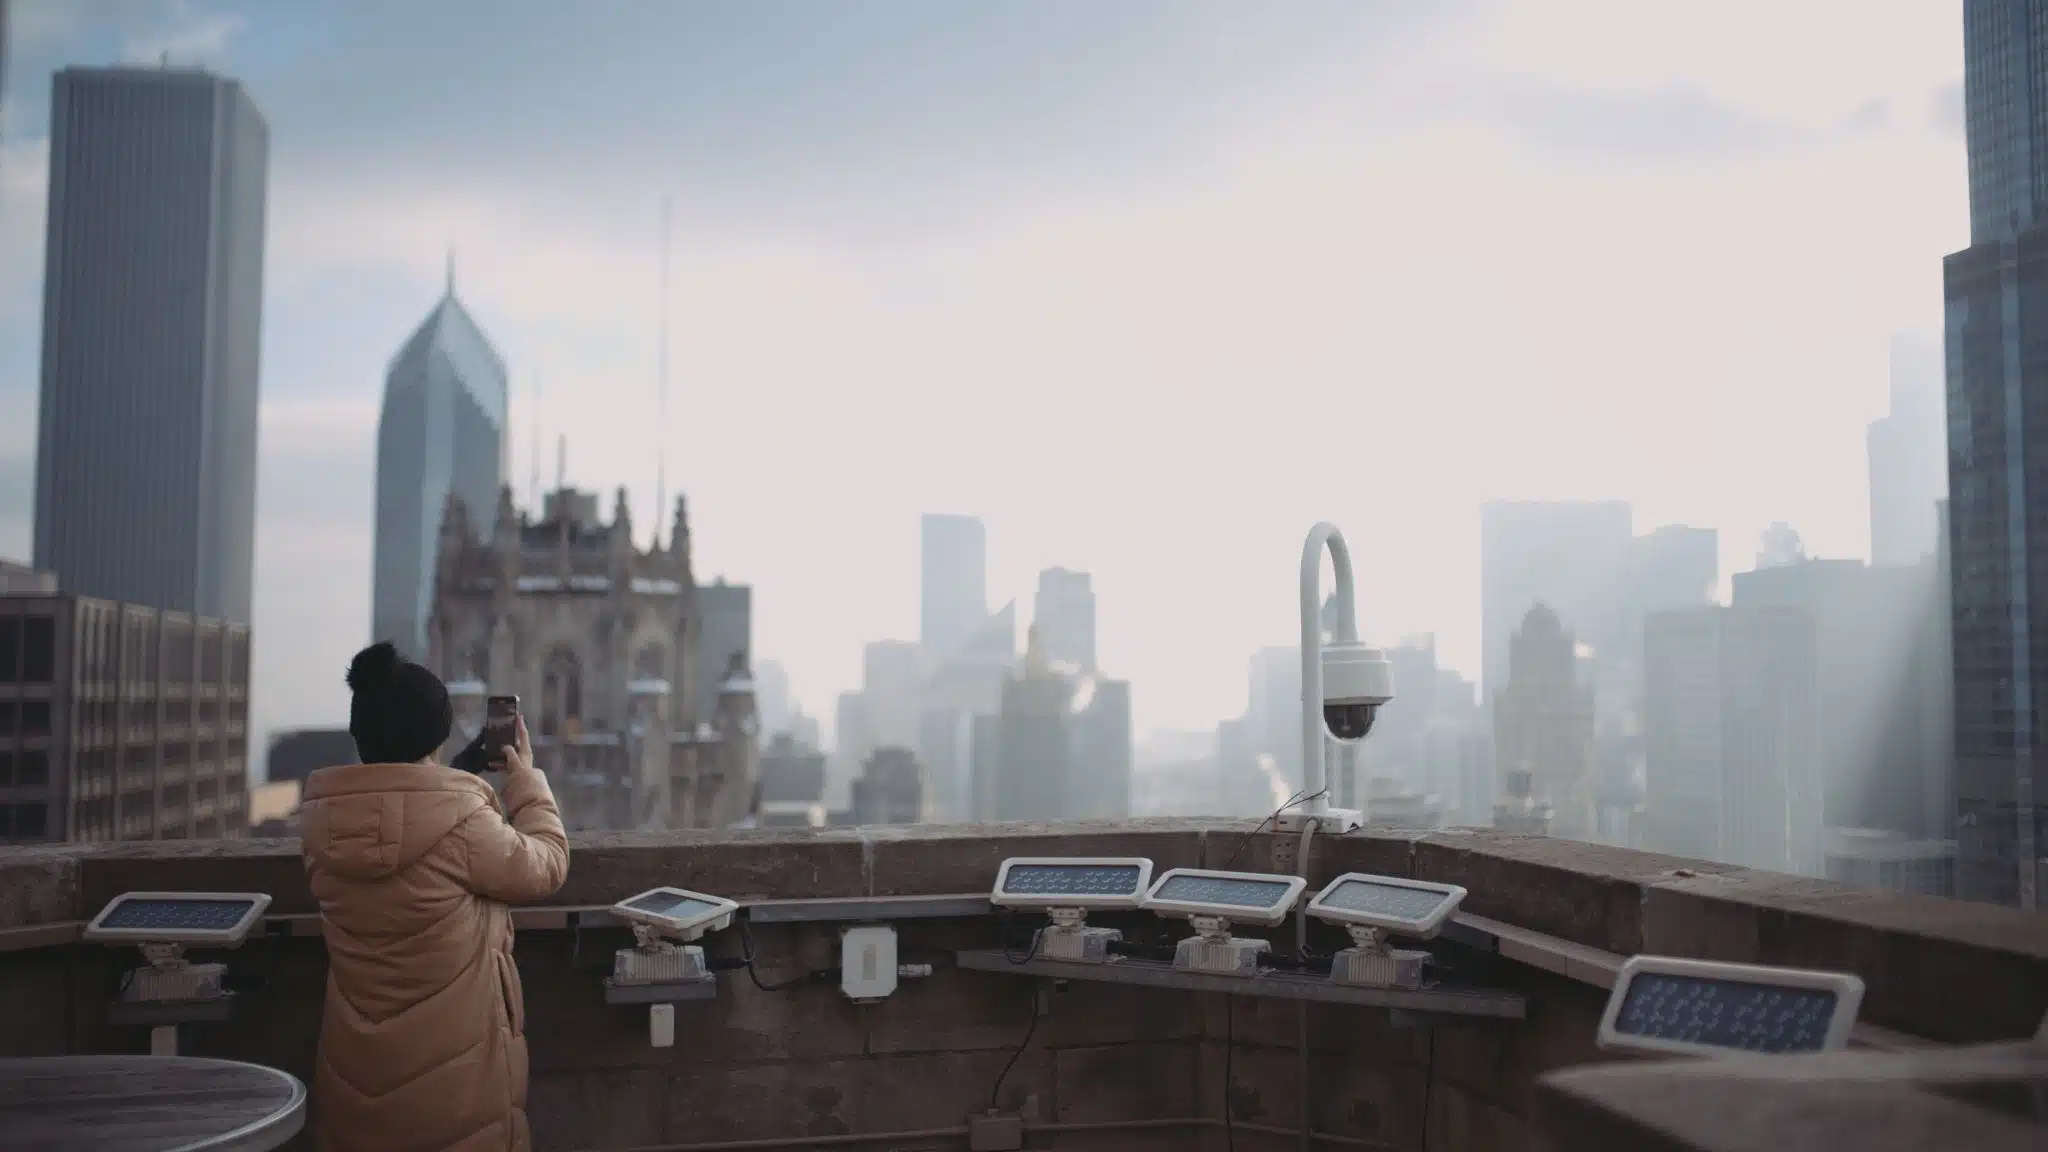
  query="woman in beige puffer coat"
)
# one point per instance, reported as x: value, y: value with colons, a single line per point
x: 417, y: 867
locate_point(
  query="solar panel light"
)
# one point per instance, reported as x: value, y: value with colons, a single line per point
x: 664, y: 920
x: 1374, y: 907
x: 164, y: 924
x: 1212, y: 901
x: 1066, y: 888
x: 1669, y: 1006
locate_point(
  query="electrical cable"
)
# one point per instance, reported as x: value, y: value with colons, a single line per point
x: 1007, y: 921
x: 747, y: 957
x: 995, y: 1094
x: 1229, y: 1044
x: 1428, y: 1080
x: 1297, y: 798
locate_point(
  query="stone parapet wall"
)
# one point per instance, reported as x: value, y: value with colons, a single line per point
x: 807, y: 1063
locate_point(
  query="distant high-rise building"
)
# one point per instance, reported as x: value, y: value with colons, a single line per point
x: 954, y: 595
x: 120, y: 722
x: 1731, y: 737
x: 1996, y: 297
x: 1779, y: 547
x: 1101, y: 735
x: 1883, y: 723
x: 851, y: 744
x: 957, y: 690
x: 892, y: 692
x: 727, y: 611
x: 441, y: 433
x: 772, y: 698
x: 1064, y: 615
x: 1908, y: 455
x: 1028, y: 772
x: 1570, y: 556
x: 152, y: 336
x: 890, y: 788
x: 1543, y: 732
x: 1272, y: 715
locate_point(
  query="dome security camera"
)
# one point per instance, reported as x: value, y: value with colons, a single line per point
x: 1356, y: 680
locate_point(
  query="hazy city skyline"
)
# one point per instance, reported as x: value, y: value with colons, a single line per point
x: 912, y: 276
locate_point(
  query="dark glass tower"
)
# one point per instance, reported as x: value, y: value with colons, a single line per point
x: 1996, y: 318
x: 152, y: 330
x: 442, y: 431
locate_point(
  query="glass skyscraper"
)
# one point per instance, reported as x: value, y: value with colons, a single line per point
x: 442, y: 431
x: 1996, y: 318
x: 152, y: 334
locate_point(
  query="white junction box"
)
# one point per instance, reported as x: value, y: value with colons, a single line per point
x: 1223, y: 955
x: 1373, y: 967
x: 867, y: 962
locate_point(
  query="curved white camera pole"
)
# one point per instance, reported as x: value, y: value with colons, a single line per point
x: 1315, y: 780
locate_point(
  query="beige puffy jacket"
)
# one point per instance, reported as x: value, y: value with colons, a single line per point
x: 422, y: 1040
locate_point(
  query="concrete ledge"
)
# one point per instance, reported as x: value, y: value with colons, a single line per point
x: 1939, y: 969
x: 1980, y: 1098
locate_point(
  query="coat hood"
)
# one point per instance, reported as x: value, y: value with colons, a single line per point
x: 368, y: 821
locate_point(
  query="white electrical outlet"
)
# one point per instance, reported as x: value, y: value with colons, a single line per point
x: 867, y: 962
x: 661, y: 1025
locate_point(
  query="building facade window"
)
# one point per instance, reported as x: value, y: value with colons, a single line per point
x: 38, y: 650
x: 561, y: 693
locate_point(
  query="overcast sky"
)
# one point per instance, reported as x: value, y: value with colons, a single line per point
x: 1149, y: 286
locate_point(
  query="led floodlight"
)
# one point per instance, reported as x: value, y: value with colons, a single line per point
x: 1371, y: 907
x: 663, y: 921
x: 1666, y: 1005
x: 1066, y: 888
x: 1212, y: 901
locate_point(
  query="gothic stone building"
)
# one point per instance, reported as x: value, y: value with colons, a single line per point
x: 598, y: 639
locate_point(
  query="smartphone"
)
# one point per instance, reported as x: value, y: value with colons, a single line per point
x: 501, y: 728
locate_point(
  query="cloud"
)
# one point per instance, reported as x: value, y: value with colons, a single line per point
x: 1673, y: 123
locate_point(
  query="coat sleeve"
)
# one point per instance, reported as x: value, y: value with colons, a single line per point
x: 523, y: 856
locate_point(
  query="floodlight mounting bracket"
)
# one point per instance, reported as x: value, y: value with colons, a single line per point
x: 1367, y: 937
x: 1211, y: 927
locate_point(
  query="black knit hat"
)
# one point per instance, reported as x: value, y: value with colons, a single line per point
x: 400, y: 712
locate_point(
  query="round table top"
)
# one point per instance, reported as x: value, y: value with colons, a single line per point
x: 146, y: 1104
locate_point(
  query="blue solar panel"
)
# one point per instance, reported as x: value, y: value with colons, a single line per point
x: 1726, y: 1013
x: 178, y: 915
x: 1389, y: 900
x: 671, y: 905
x: 1072, y: 880
x: 1190, y: 889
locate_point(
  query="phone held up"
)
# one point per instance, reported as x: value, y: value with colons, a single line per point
x: 486, y: 753
x: 501, y: 728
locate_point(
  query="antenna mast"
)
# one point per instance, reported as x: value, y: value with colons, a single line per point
x: 661, y: 389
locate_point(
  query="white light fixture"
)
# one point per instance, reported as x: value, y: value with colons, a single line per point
x: 1066, y: 888
x: 163, y: 925
x: 1343, y: 685
x: 1671, y: 1006
x: 1212, y: 901
x: 1372, y: 907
